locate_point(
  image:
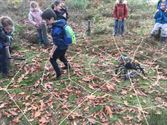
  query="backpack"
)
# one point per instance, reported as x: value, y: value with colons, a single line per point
x: 128, y: 69
x: 69, y: 35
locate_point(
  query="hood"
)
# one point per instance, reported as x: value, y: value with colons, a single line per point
x: 60, y: 23
x: 124, y: 1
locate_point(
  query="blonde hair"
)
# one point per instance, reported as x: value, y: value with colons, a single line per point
x: 34, y: 3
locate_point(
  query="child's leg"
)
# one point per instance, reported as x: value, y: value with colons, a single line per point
x: 155, y: 30
x: 64, y: 60
x: 39, y: 35
x: 163, y: 33
x: 4, y: 62
x: 119, y: 27
x: 122, y: 27
x: 116, y: 27
x: 53, y: 60
x: 44, y: 34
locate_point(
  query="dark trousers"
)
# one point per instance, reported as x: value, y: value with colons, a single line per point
x: 119, y: 27
x: 59, y: 54
x: 42, y: 34
x: 4, y: 62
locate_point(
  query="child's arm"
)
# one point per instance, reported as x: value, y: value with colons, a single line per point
x: 157, y: 14
x: 31, y: 19
x: 126, y: 11
x: 115, y: 12
x: 7, y: 52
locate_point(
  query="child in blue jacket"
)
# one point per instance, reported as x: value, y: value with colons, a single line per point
x: 6, y: 28
x: 160, y: 26
x: 59, y: 48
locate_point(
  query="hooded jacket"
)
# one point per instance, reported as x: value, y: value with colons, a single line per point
x: 58, y: 34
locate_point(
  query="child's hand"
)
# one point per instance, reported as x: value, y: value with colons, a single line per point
x: 52, y: 51
x: 36, y: 25
x: 51, y: 54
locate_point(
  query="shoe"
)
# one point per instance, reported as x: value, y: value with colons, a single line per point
x: 5, y: 75
x: 58, y: 77
x: 66, y: 67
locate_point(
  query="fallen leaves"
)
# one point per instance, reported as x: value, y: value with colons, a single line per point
x: 3, y: 105
x: 108, y: 110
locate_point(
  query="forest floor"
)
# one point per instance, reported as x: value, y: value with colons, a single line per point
x: 91, y: 93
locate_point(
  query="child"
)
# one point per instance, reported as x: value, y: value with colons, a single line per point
x: 160, y: 27
x: 35, y: 18
x: 6, y: 29
x: 60, y: 10
x: 59, y: 48
x: 120, y: 14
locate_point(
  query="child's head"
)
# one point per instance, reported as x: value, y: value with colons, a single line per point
x: 49, y: 16
x: 120, y: 1
x: 57, y: 5
x: 7, y: 24
x: 163, y: 6
x: 34, y: 5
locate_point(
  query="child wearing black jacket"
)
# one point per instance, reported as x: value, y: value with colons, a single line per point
x: 59, y: 48
x: 6, y: 28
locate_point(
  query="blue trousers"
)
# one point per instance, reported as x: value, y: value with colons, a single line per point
x: 118, y: 27
x: 42, y: 34
x: 59, y: 54
x: 4, y: 62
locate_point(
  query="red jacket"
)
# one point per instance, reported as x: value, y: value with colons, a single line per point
x: 120, y: 11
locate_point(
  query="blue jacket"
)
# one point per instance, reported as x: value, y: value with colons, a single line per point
x: 161, y: 16
x: 159, y: 4
x: 58, y: 34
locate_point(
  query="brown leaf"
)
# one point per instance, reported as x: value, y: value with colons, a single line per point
x: 37, y: 114
x: 14, y: 113
x: 124, y: 92
x: 88, y: 78
x: 2, y: 89
x: 43, y: 120
x: 92, y: 120
x: 16, y: 120
x: 110, y: 87
x: 108, y: 110
x: 34, y: 107
x: 91, y: 97
x: 42, y: 106
x: 2, y: 105
x: 48, y: 85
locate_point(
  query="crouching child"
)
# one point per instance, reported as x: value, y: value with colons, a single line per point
x: 160, y: 28
x: 59, y: 48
